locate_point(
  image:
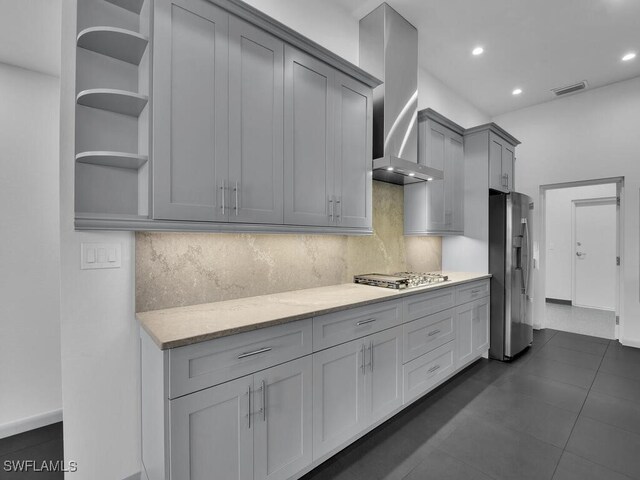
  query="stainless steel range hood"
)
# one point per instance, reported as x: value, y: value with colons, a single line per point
x: 389, y: 50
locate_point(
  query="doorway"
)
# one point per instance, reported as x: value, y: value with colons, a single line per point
x: 580, y: 234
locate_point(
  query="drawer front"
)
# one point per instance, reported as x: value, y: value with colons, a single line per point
x: 424, y: 373
x: 417, y: 306
x: 472, y: 291
x: 427, y: 333
x: 347, y: 325
x: 205, y: 364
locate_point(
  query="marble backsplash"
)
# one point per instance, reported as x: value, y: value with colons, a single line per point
x: 178, y: 269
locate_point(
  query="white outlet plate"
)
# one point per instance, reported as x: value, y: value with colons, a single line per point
x: 100, y: 255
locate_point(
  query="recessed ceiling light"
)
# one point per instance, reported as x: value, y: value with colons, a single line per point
x: 412, y: 174
x: 429, y: 179
x: 390, y: 169
x: 517, y: 91
x: 629, y: 56
x: 477, y: 51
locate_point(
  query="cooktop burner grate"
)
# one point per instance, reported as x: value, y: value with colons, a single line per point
x: 400, y: 280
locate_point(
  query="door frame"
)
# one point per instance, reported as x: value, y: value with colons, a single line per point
x: 584, y: 202
x: 540, y: 249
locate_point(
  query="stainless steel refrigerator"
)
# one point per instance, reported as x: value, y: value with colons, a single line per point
x: 510, y: 262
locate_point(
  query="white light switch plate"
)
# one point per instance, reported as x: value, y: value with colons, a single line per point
x: 100, y: 255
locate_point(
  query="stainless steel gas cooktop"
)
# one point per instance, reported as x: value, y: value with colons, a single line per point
x: 400, y: 280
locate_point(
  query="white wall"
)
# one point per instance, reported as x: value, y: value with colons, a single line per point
x: 586, y: 136
x: 559, y: 249
x: 30, y: 392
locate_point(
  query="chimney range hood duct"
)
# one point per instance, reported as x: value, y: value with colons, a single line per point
x: 389, y: 50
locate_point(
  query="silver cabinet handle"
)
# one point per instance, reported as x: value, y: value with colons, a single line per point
x: 331, y: 209
x: 434, y: 368
x: 249, y: 411
x: 236, y: 207
x: 364, y: 322
x: 371, y: 355
x: 435, y: 332
x: 263, y: 389
x: 362, y: 363
x: 338, y: 209
x: 255, y: 352
x: 475, y: 292
x: 223, y: 193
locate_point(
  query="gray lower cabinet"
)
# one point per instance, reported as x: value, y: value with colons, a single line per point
x: 473, y: 330
x: 190, y: 110
x: 327, y: 141
x: 355, y: 385
x: 255, y: 428
x: 437, y: 207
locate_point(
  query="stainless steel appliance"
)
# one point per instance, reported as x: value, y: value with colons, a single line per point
x: 510, y: 262
x: 400, y: 280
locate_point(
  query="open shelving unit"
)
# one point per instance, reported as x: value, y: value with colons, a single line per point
x: 112, y: 100
x: 113, y: 159
x: 112, y: 113
x: 114, y: 42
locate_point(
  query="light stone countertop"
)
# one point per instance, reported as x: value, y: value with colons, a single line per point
x: 177, y: 327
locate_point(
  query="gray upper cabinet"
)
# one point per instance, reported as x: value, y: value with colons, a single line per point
x: 353, y: 152
x: 190, y: 111
x: 255, y: 124
x: 308, y: 140
x: 252, y: 128
x: 498, y: 147
x: 437, y: 207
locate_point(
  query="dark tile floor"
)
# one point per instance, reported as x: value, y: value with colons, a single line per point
x: 42, y: 444
x: 569, y: 408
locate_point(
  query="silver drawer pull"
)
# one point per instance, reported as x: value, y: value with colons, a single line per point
x: 364, y: 322
x: 433, y: 369
x: 475, y: 292
x: 435, y: 332
x: 255, y: 352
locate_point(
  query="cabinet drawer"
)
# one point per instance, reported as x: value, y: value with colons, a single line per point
x: 425, y: 372
x: 417, y: 306
x: 203, y: 365
x: 427, y: 333
x: 472, y: 291
x: 341, y: 327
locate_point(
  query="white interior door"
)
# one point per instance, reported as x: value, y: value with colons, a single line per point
x: 594, y: 253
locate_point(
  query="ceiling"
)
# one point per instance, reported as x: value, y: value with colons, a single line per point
x: 535, y: 45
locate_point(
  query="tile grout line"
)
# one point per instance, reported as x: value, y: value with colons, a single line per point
x: 564, y: 449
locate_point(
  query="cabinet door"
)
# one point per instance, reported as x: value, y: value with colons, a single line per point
x: 308, y: 140
x: 338, y: 392
x: 383, y: 373
x: 497, y: 180
x: 210, y: 432
x: 282, y: 438
x: 454, y: 184
x: 480, y: 328
x: 256, y: 119
x: 353, y: 154
x: 508, y: 159
x: 464, y: 334
x: 190, y: 111
x: 435, y: 156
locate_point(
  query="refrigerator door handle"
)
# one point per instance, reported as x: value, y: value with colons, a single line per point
x: 525, y: 268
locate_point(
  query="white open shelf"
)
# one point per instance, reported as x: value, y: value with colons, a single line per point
x: 132, y: 5
x: 118, y: 43
x: 131, y: 161
x: 118, y: 101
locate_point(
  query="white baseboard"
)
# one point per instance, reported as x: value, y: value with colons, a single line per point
x: 30, y: 423
x: 630, y: 343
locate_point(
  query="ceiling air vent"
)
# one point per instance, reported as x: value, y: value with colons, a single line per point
x: 570, y: 88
